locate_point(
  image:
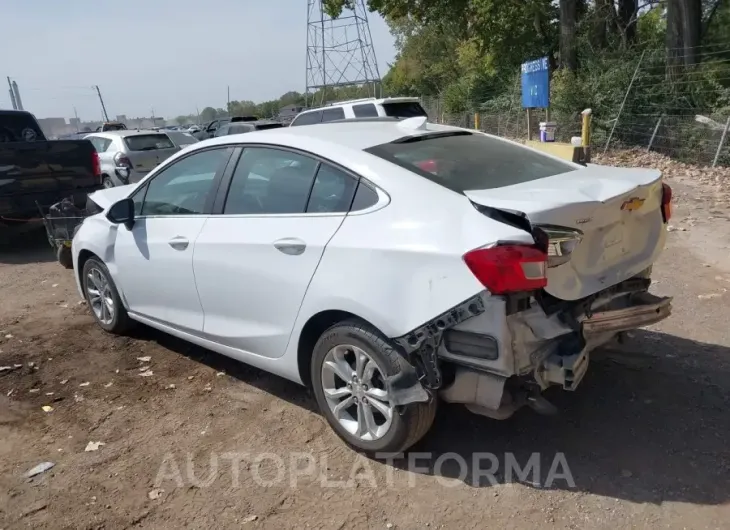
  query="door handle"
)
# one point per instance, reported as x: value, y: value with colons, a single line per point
x: 179, y: 243
x: 291, y: 246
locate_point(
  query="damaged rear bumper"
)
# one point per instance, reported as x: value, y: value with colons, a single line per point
x: 646, y: 309
x: 546, y: 351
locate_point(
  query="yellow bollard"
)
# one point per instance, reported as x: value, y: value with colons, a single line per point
x: 476, y: 121
x: 585, y: 133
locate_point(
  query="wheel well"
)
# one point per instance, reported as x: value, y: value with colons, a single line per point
x: 84, y: 256
x: 311, y: 332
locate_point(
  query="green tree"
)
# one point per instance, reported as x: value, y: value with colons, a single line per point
x: 208, y: 114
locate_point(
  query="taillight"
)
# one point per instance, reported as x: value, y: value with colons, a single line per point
x: 429, y: 166
x: 96, y: 164
x: 666, y: 202
x: 121, y: 160
x: 509, y: 268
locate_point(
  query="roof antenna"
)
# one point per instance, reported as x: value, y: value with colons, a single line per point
x: 414, y: 124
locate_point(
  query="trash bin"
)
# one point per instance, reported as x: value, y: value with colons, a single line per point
x: 547, y: 131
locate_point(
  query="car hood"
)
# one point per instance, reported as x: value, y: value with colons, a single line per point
x: 108, y: 196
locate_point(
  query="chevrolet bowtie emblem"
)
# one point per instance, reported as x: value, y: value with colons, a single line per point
x: 634, y: 203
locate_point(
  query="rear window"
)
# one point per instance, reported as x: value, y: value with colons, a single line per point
x: 404, y: 109
x: 148, y: 142
x: 19, y: 127
x: 462, y: 161
x: 264, y: 126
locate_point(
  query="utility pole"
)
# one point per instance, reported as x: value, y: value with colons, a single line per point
x: 198, y: 113
x: 12, y: 94
x: 228, y: 105
x: 76, y: 115
x: 154, y: 120
x: 103, y: 108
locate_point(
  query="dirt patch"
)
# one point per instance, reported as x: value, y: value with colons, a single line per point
x: 205, y: 442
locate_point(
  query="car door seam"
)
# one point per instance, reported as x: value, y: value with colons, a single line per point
x: 195, y: 278
x: 311, y: 279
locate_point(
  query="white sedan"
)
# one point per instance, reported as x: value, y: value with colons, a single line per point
x: 387, y: 265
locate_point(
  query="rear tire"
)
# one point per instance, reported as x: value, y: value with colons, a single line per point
x: 103, y: 298
x: 107, y: 182
x: 359, y: 410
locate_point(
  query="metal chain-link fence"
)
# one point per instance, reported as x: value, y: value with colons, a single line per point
x: 682, y: 112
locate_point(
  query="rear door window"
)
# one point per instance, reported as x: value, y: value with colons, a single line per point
x: 308, y: 118
x: 332, y: 191
x: 148, y: 142
x: 270, y: 181
x: 365, y: 110
x: 404, y: 109
x: 336, y: 113
x: 462, y: 161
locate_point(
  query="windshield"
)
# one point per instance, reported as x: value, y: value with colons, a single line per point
x: 148, y: 142
x: 461, y: 161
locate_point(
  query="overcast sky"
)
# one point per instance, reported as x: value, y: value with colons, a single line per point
x: 166, y: 55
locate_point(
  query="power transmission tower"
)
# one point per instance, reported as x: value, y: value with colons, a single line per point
x: 339, y: 51
x: 103, y: 108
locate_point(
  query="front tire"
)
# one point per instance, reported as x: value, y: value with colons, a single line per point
x: 348, y: 368
x: 103, y: 297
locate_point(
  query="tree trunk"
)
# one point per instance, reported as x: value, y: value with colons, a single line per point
x: 674, y: 41
x: 626, y: 14
x: 691, y: 14
x: 568, y: 52
x: 600, y: 23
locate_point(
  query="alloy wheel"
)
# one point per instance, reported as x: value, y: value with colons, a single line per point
x: 100, y: 296
x: 355, y: 392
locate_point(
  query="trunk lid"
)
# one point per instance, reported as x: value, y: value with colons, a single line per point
x: 617, y: 209
x: 147, y: 151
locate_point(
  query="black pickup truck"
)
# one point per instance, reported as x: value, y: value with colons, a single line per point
x: 35, y: 170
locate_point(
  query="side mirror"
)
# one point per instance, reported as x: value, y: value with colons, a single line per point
x: 122, y: 212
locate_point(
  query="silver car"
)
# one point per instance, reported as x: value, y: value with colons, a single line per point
x: 127, y: 156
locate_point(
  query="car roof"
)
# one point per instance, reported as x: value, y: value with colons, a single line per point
x: 354, y: 134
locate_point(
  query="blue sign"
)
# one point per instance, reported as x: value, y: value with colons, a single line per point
x: 536, y: 84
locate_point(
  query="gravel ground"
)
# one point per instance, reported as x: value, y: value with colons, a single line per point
x: 204, y: 442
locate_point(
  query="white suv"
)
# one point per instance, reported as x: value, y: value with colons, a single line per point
x: 361, y: 108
